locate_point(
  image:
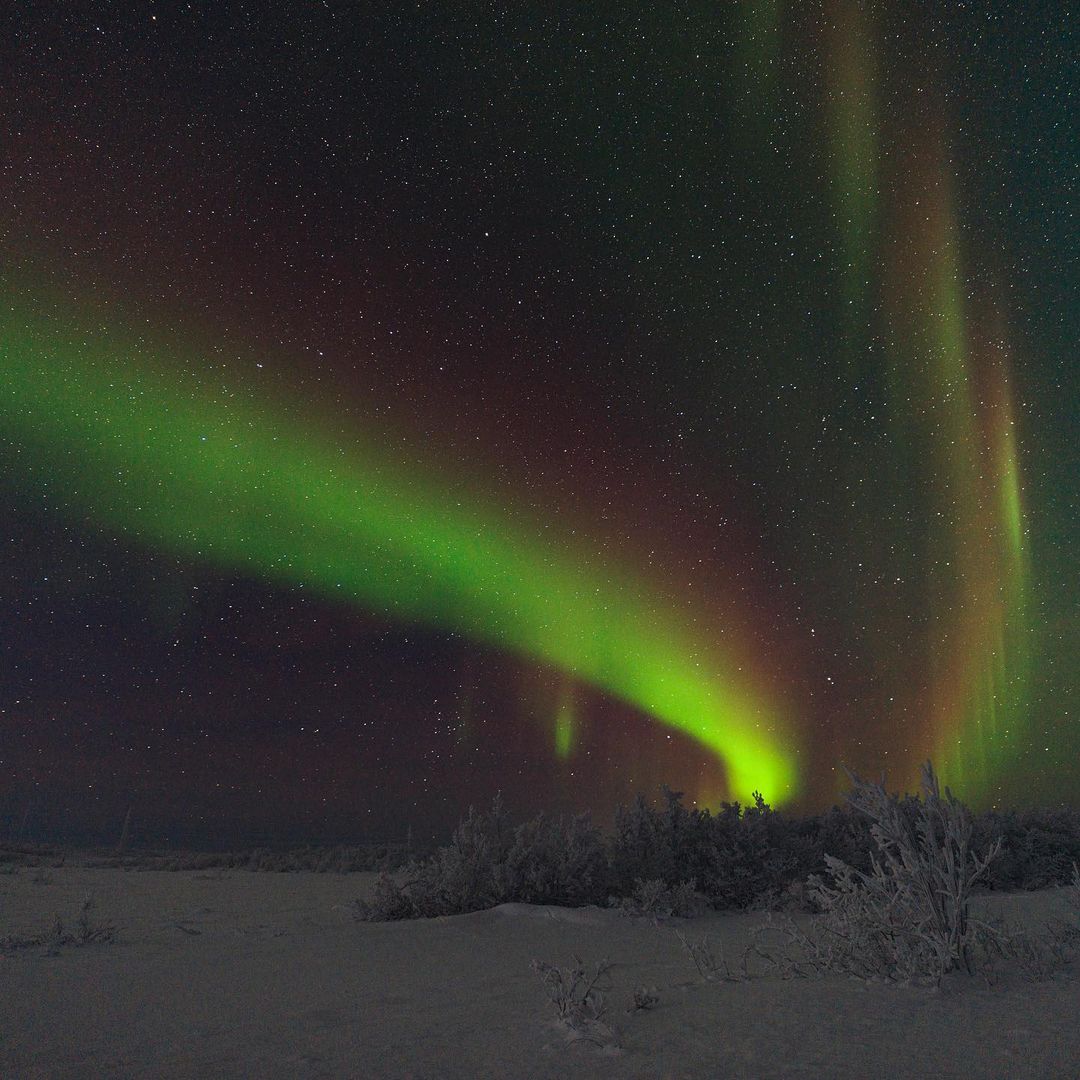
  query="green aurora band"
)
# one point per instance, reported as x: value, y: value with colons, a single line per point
x: 117, y: 434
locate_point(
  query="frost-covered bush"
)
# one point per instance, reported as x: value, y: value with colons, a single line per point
x: 488, y: 861
x: 759, y: 853
x: 844, y: 833
x: 909, y: 916
x: 749, y: 858
x: 553, y: 861
x: 661, y: 901
x: 1039, y: 847
x: 642, y: 844
x: 737, y: 858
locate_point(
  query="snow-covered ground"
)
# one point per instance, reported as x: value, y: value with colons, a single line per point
x: 236, y: 974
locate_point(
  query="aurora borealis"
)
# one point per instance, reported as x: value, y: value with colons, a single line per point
x: 179, y: 470
x: 398, y: 407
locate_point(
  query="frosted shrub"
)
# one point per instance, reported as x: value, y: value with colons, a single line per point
x: 759, y: 852
x: 460, y: 877
x: 737, y: 857
x: 554, y: 862
x: 641, y: 847
x: 457, y: 878
x: 844, y: 833
x: 579, y: 1000
x: 391, y: 901
x: 489, y: 862
x: 1039, y: 847
x: 892, y: 875
x: 660, y: 901
x: 908, y: 918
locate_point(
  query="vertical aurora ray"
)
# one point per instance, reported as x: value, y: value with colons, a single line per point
x: 951, y: 375
x: 241, y: 486
x: 565, y: 715
x: 851, y: 121
x: 1009, y: 664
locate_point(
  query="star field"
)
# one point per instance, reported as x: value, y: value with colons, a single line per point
x: 402, y: 404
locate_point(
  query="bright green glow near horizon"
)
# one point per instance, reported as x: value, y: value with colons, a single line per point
x: 205, y: 474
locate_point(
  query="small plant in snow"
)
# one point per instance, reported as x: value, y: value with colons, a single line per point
x: 712, y: 966
x: 579, y: 1000
x: 90, y: 933
x: 86, y: 933
x: 643, y: 997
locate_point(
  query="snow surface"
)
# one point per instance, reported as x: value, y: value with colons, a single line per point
x: 265, y: 975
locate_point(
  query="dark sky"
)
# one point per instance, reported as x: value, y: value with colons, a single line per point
x: 403, y: 402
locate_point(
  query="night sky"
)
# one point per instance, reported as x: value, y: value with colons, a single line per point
x: 404, y: 402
